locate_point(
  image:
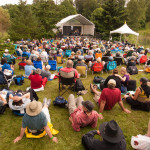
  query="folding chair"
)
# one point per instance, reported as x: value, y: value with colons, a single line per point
x: 118, y: 60
x: 37, y: 64
x: 97, y: 67
x: 4, y: 80
x: 19, y: 56
x: 143, y: 59
x: 98, y: 55
x: 66, y: 78
x: 59, y: 59
x: 68, y: 53
x: 88, y: 59
x: 82, y: 71
x: 53, y: 64
x: 111, y: 65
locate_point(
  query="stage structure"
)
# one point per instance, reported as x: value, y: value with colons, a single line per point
x: 76, y: 25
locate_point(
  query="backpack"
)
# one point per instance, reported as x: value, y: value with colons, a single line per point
x: 97, y: 67
x: 131, y: 85
x: 79, y: 85
x: 132, y: 70
x: 111, y: 65
x: 19, y: 80
x: 2, y: 109
x: 60, y: 101
x: 98, y: 80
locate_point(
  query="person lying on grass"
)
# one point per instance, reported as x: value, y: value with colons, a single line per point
x: 108, y: 98
x: 81, y: 113
x: 36, y: 120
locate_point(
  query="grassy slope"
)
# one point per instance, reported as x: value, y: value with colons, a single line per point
x: 131, y: 124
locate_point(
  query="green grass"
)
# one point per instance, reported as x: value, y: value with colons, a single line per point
x: 131, y: 124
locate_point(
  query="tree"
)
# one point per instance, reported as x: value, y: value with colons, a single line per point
x: 97, y: 19
x: 136, y: 14
x: 86, y: 7
x: 23, y: 22
x: 148, y: 13
x: 113, y: 16
x: 4, y: 21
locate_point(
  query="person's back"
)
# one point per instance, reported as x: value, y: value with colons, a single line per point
x: 28, y: 69
x: 45, y: 73
x: 35, y: 122
x: 111, y: 96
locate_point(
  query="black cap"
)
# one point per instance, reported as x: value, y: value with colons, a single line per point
x: 144, y: 80
x: 79, y: 59
x: 88, y: 105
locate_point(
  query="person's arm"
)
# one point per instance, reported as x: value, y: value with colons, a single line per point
x: 148, y: 132
x: 3, y: 99
x: 21, y: 135
x: 102, y: 106
x: 137, y: 92
x: 27, y: 95
x: 122, y: 79
x: 88, y: 139
x: 123, y: 108
x: 54, y: 139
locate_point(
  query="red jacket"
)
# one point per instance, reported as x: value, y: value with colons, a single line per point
x: 36, y: 81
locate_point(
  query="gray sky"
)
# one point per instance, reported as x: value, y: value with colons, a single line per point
x: 3, y: 2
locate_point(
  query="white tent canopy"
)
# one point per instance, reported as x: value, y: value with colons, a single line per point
x: 124, y: 30
x: 87, y: 27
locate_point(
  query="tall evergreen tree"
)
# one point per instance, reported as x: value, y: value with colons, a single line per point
x: 23, y: 22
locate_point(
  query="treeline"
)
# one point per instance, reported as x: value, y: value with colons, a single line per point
x: 37, y: 20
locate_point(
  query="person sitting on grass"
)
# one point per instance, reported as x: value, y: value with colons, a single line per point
x: 37, y: 83
x: 28, y: 68
x: 46, y: 73
x: 22, y: 63
x: 108, y: 98
x: 141, y: 99
x: 36, y: 120
x: 3, y: 103
x: 112, y: 138
x: 81, y: 113
x: 124, y: 79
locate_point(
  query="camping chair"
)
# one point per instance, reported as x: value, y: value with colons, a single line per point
x: 68, y: 53
x: 66, y: 78
x: 143, y: 59
x: 88, y: 59
x: 4, y: 80
x: 33, y: 58
x: 111, y: 65
x: 59, y: 59
x: 21, y: 65
x: 37, y: 64
x: 105, y: 58
x: 53, y: 64
x: 82, y: 71
x: 9, y: 59
x: 97, y: 67
x: 98, y: 55
x: 24, y: 54
x: 19, y: 56
x: 118, y: 60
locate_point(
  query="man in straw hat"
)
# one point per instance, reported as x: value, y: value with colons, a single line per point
x: 81, y: 113
x: 36, y: 120
x: 113, y: 138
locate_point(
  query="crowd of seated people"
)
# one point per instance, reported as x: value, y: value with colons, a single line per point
x: 84, y: 52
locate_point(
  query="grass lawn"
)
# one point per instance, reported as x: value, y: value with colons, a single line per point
x: 131, y: 124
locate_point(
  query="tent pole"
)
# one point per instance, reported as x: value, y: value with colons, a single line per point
x: 120, y: 38
x: 136, y: 40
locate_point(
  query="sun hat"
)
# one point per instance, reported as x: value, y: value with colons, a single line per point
x: 111, y: 132
x: 88, y: 105
x: 6, y: 50
x: 38, y: 71
x: 33, y: 108
x: 112, y: 81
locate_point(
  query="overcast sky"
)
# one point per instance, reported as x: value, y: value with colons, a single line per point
x: 3, y: 2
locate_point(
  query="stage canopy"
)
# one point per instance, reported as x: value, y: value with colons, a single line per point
x: 124, y: 30
x: 76, y: 25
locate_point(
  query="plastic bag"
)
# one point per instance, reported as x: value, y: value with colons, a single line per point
x: 140, y: 142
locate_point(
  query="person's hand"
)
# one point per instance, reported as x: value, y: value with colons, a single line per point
x: 98, y: 133
x: 55, y: 140
x: 17, y: 139
x: 100, y: 116
x: 127, y: 111
x: 116, y: 75
x: 70, y: 119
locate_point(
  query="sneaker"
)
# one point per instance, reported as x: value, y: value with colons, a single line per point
x: 48, y: 102
x: 44, y: 101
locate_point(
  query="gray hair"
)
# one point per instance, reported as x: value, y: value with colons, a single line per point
x: 69, y: 64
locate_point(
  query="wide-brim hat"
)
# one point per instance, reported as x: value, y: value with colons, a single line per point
x: 33, y: 108
x: 111, y: 132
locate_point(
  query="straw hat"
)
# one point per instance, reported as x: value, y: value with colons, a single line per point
x: 33, y: 108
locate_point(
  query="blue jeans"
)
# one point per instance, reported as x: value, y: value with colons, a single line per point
x: 123, y: 89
